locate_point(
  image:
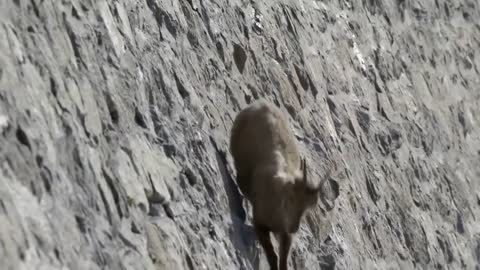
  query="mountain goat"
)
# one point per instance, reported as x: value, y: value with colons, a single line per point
x: 272, y: 176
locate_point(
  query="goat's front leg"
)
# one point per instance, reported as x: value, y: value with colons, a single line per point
x: 263, y: 235
x: 285, y: 244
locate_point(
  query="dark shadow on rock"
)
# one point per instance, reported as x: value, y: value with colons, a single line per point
x: 241, y: 235
x: 327, y: 250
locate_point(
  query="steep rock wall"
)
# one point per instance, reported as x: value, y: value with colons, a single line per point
x: 115, y: 117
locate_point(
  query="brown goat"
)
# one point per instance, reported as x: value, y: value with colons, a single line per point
x: 272, y: 176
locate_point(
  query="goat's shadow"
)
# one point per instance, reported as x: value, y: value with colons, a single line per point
x: 242, y: 235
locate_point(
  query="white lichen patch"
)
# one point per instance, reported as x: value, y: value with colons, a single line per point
x: 359, y: 56
x: 3, y: 122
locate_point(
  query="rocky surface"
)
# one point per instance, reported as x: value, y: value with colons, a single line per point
x: 115, y: 117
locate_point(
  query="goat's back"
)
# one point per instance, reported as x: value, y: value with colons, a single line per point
x: 261, y: 139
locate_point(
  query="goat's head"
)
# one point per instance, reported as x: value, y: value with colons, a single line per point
x: 307, y: 190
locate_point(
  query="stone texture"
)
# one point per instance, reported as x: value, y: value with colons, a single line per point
x: 115, y: 118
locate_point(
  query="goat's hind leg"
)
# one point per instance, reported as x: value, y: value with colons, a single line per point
x: 263, y: 235
x: 285, y: 244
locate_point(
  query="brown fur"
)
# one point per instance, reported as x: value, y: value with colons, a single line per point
x: 272, y: 176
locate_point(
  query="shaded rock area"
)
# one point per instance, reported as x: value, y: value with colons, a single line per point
x: 115, y: 120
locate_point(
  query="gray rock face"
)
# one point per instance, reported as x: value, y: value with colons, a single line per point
x: 115, y: 120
